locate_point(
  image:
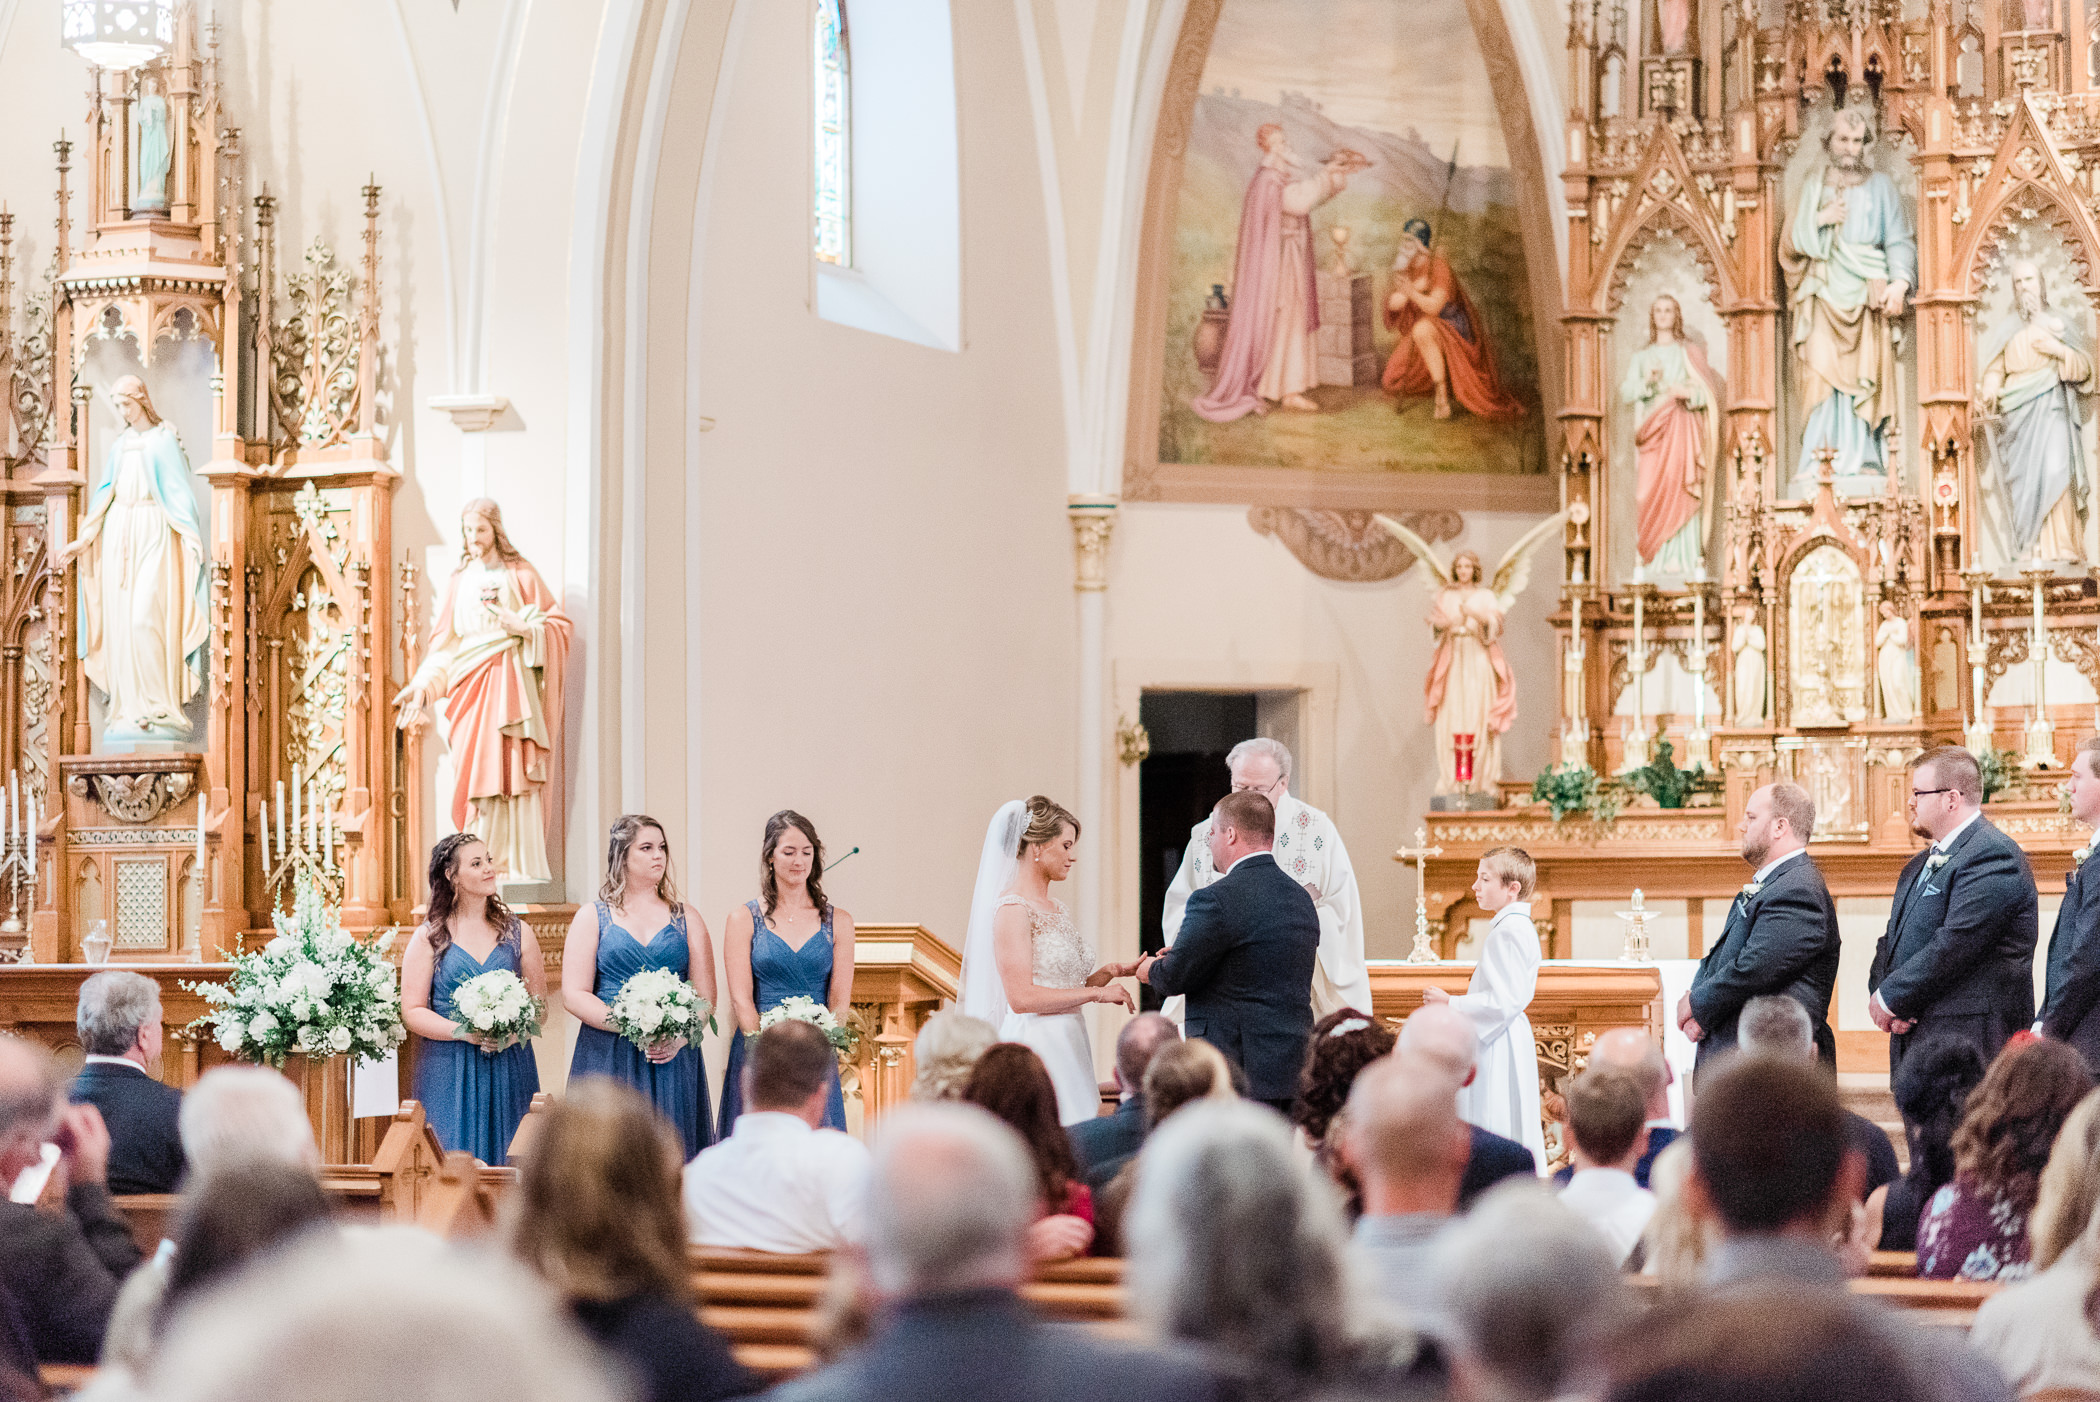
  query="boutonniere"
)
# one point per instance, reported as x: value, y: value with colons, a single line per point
x: 1751, y: 888
x: 1937, y: 860
x: 2078, y: 857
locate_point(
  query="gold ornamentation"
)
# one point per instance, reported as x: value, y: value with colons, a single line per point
x: 133, y: 798
x: 315, y: 354
x: 1133, y: 743
x: 1093, y: 522
x: 1350, y: 545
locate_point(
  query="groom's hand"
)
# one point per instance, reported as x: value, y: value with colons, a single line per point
x: 1143, y: 972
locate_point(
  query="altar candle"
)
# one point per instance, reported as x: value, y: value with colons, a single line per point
x: 262, y: 831
x: 328, y: 835
x: 200, y: 837
x: 32, y: 839
x: 1699, y: 650
x: 298, y: 833
x: 283, y: 851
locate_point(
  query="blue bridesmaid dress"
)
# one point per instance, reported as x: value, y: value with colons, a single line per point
x: 777, y: 974
x: 475, y: 1100
x: 678, y: 1087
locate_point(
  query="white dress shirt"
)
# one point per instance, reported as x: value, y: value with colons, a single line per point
x: 1609, y: 1200
x: 1940, y: 846
x: 1769, y: 867
x: 778, y: 1185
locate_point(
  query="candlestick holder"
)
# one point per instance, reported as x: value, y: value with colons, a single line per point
x: 317, y: 865
x: 1637, y: 948
x: 1423, y: 952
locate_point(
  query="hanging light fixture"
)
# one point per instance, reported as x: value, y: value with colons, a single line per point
x: 119, y: 34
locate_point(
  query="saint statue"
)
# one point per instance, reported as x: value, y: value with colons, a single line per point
x: 495, y: 660
x: 1443, y: 349
x: 1895, y: 665
x: 143, y: 615
x: 1270, y: 356
x: 1748, y: 673
x: 2032, y: 401
x: 1850, y: 256
x: 1470, y: 696
x: 1676, y: 403
x: 151, y: 118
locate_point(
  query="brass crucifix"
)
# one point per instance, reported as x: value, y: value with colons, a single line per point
x: 1420, y: 854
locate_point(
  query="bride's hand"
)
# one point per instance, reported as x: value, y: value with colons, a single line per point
x: 1114, y: 993
x: 1109, y: 971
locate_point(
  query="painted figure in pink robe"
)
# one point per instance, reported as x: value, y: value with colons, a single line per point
x: 1270, y: 357
x: 1676, y: 403
x: 496, y: 657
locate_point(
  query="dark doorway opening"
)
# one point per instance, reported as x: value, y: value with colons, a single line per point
x: 1179, y: 782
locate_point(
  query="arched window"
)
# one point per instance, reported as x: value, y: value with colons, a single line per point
x: 832, y: 237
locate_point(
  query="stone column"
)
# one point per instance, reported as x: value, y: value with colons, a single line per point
x: 1093, y: 521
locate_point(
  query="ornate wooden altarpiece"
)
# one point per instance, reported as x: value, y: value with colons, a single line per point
x: 302, y: 589
x: 1684, y: 165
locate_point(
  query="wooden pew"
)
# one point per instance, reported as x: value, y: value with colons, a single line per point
x: 1902, y: 1265
x: 1949, y: 1303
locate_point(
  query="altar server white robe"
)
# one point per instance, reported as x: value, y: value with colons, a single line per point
x: 1504, y: 1096
x: 1310, y: 851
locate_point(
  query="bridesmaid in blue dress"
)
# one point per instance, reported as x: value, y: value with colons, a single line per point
x: 790, y: 942
x: 639, y: 923
x: 474, y: 1089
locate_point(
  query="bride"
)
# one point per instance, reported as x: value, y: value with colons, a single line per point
x: 1026, y: 970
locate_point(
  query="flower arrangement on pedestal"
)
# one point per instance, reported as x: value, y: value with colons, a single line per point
x: 656, y: 1005
x: 312, y: 991
x: 843, y: 1038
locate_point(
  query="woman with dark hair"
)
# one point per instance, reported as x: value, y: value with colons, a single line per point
x: 236, y: 1214
x: 1343, y: 1043
x: 637, y: 923
x: 789, y: 943
x: 1011, y: 1081
x: 1930, y: 1091
x: 474, y: 1089
x: 597, y: 1215
x: 1975, y: 1228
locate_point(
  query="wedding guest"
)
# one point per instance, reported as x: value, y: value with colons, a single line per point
x: 949, y: 1208
x: 1776, y: 1025
x: 1957, y: 958
x: 1102, y: 1145
x: 1011, y: 1082
x: 1343, y: 1043
x: 1930, y: 1092
x: 1764, y: 1342
x: 1606, y: 1138
x: 1408, y: 1149
x: 1236, y: 1250
x: 1634, y: 1049
x: 62, y: 1268
x: 2040, y: 1332
x: 1772, y: 1169
x: 384, y: 1313
x: 789, y: 942
x: 783, y: 1180
x: 235, y: 1216
x: 2073, y: 979
x: 637, y: 923
x: 119, y: 1022
x: 1975, y: 1228
x: 475, y: 1089
x: 947, y: 1046
x: 1504, y: 1096
x: 1439, y: 1042
x: 597, y: 1217
x: 1525, y: 1289
x: 1680, y: 1235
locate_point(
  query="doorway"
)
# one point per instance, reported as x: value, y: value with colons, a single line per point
x: 1184, y: 776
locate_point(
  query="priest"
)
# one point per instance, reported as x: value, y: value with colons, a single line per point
x: 1310, y: 852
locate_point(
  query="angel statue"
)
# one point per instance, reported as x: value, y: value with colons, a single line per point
x: 1471, y: 696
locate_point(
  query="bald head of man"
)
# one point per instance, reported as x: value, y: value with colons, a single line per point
x: 29, y: 1091
x: 1441, y: 1041
x: 1633, y: 1049
x: 1405, y: 1140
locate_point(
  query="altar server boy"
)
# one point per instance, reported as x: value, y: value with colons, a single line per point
x: 1503, y: 1097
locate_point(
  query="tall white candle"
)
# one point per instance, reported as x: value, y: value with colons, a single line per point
x: 262, y: 832
x: 328, y: 834
x: 200, y: 839
x: 298, y: 837
x: 283, y: 851
x: 32, y: 840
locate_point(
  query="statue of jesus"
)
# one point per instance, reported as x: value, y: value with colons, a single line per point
x: 1851, y: 256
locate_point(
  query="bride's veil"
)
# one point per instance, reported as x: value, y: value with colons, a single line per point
x: 983, y: 992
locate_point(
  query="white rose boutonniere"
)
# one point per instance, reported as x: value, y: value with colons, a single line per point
x: 1937, y: 860
x: 1751, y: 888
x: 2078, y: 857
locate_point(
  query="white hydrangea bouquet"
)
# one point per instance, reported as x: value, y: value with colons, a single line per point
x: 656, y: 1005
x: 497, y: 1007
x: 843, y: 1038
x: 313, y: 991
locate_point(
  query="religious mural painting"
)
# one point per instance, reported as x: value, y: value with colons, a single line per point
x: 1346, y: 289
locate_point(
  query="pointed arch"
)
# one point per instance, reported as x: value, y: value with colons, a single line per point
x: 2028, y: 183
x: 1663, y: 193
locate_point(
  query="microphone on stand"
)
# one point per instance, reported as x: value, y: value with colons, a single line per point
x: 842, y: 857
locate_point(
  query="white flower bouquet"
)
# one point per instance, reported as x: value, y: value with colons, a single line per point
x: 497, y: 1007
x: 656, y: 1005
x: 313, y: 990
x: 843, y: 1038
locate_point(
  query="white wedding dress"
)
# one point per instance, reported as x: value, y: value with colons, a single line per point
x: 1062, y: 960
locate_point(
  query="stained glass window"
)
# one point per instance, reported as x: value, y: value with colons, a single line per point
x: 833, y: 234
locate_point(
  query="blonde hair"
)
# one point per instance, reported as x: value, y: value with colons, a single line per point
x: 945, y: 1052
x: 1046, y: 819
x: 2070, y: 1186
x: 1508, y: 864
x: 1677, y: 1241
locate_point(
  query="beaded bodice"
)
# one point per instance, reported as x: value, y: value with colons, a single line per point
x: 1062, y: 958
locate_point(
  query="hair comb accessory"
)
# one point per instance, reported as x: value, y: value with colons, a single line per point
x: 1348, y: 1025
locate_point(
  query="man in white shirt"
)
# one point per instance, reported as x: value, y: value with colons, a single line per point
x: 1606, y: 1129
x: 781, y: 1182
x: 1309, y: 850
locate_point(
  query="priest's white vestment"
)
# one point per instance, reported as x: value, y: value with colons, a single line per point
x: 1310, y: 851
x: 1504, y: 1096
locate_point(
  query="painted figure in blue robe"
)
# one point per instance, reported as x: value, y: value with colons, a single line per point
x: 638, y: 922
x: 791, y: 942
x: 2035, y: 396
x: 142, y: 553
x: 1850, y: 252
x: 475, y: 1088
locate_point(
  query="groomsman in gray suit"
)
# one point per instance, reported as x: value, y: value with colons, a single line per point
x: 1957, y: 959
x: 1781, y: 935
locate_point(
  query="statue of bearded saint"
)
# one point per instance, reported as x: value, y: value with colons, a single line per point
x: 1851, y: 256
x: 2033, y: 401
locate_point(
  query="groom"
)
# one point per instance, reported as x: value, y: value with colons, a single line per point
x: 1245, y: 954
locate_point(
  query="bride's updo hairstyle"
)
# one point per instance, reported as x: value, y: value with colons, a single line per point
x: 1042, y: 822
